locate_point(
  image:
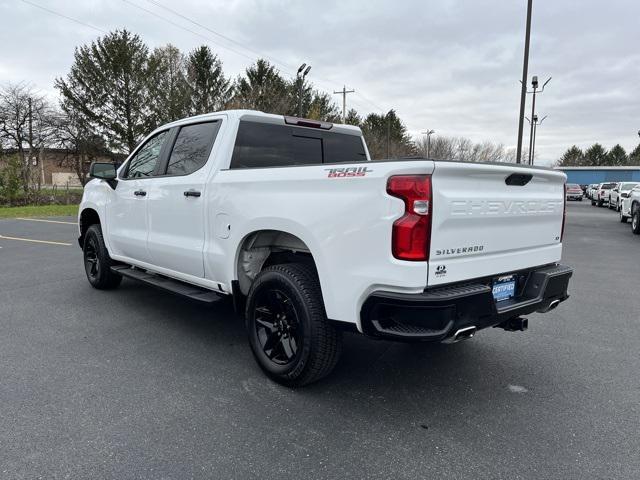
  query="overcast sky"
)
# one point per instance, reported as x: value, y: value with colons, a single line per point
x: 452, y: 66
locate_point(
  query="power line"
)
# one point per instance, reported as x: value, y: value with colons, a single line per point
x: 229, y: 39
x: 187, y: 29
x: 286, y: 68
x: 63, y: 16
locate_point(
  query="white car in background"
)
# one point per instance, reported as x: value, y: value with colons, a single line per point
x: 627, y: 201
x: 617, y: 193
x: 601, y: 194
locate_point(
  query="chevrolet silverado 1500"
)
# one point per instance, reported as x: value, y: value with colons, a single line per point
x: 309, y: 237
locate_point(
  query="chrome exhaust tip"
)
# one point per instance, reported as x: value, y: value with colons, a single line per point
x: 461, y: 334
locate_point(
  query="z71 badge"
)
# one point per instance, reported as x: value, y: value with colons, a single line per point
x: 347, y: 172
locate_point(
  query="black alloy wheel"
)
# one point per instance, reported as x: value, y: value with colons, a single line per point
x: 289, y: 333
x: 97, y: 262
x: 277, y: 326
x: 91, y: 262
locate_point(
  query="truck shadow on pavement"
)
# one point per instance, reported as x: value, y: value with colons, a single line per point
x: 484, y: 369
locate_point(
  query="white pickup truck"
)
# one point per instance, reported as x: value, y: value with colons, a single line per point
x: 310, y: 237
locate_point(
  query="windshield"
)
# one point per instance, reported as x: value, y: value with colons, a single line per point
x: 607, y: 186
x: 627, y: 186
x: 573, y: 186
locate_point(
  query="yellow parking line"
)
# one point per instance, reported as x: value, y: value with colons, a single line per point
x: 35, y: 241
x: 47, y: 221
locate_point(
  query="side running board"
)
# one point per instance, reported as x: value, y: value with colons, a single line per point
x: 165, y: 283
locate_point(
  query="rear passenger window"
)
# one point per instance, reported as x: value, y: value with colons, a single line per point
x: 192, y: 147
x: 262, y: 145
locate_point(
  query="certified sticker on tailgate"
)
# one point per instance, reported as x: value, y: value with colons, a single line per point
x: 504, y: 288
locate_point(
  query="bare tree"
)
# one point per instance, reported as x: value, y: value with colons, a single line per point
x: 25, y: 126
x: 82, y: 145
x: 463, y: 149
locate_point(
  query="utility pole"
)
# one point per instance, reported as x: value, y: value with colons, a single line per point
x: 525, y: 74
x: 344, y: 92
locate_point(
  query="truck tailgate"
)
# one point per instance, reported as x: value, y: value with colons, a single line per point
x: 493, y: 219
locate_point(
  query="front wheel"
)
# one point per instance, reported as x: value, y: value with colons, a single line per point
x: 635, y: 221
x: 289, y: 334
x: 97, y: 262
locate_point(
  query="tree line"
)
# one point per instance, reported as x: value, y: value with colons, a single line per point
x: 118, y: 90
x: 597, y: 156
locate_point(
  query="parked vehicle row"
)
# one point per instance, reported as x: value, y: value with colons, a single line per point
x: 624, y: 197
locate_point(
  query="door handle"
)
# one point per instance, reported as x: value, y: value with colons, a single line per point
x: 191, y: 193
x: 140, y: 193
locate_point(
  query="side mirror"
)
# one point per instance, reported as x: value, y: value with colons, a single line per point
x: 104, y: 171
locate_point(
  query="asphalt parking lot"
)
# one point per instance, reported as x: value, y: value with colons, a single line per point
x: 136, y: 383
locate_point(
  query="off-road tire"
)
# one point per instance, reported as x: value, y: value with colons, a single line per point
x: 319, y: 343
x: 97, y: 262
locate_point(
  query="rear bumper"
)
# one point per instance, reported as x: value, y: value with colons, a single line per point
x: 437, y: 313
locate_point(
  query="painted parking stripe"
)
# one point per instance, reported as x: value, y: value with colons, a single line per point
x: 47, y: 221
x: 3, y: 237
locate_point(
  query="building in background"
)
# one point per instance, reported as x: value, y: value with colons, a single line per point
x: 588, y: 175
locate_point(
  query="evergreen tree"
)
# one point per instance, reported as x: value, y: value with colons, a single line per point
x: 323, y: 108
x: 571, y: 158
x: 387, y: 136
x: 210, y: 89
x: 352, y: 118
x: 595, y: 156
x: 107, y: 84
x: 263, y: 88
x: 634, y: 156
x: 168, y: 91
x: 617, y: 156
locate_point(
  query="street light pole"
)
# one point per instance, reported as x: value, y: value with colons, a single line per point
x: 525, y: 73
x: 534, y: 83
x: 302, y: 73
x: 428, y: 133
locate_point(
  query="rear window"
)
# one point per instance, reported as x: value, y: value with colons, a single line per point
x: 262, y: 145
x: 192, y: 147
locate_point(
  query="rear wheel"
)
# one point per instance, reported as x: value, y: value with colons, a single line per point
x: 97, y: 262
x: 600, y: 203
x: 593, y: 203
x: 635, y: 221
x: 289, y: 334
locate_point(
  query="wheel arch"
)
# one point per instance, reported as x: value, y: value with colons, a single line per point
x: 262, y: 248
x: 88, y: 216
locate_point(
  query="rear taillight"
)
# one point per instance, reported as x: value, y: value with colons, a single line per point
x: 412, y: 232
x: 564, y: 213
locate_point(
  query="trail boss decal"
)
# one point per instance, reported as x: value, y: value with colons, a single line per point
x: 347, y: 172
